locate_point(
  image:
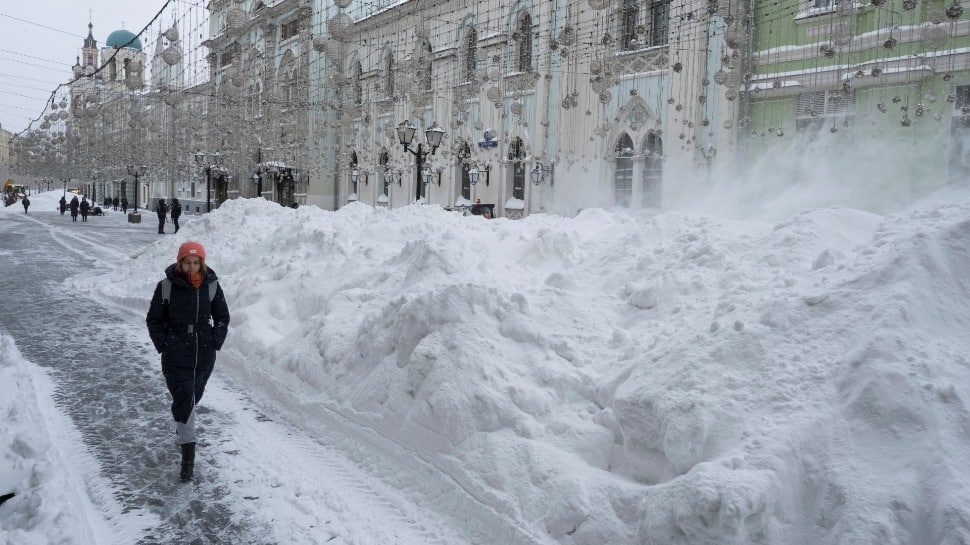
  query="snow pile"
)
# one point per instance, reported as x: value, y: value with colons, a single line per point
x: 52, y: 505
x: 621, y: 377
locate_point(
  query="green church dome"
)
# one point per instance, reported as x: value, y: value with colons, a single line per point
x: 120, y: 38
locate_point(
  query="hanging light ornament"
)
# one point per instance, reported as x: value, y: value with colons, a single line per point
x: 134, y: 81
x: 319, y: 44
x: 338, y: 26
x: 341, y: 3
x: 954, y: 11
x: 236, y: 18
x: 172, y: 55
x: 172, y: 34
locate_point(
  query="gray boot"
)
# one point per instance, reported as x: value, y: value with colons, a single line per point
x: 188, y: 461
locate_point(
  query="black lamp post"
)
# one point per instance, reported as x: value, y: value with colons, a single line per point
x: 258, y: 180
x: 214, y: 159
x: 405, y: 134
x: 136, y: 171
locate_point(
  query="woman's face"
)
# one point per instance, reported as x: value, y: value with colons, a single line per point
x: 191, y: 264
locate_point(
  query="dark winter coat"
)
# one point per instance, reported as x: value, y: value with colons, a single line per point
x: 85, y: 207
x: 176, y: 209
x: 161, y: 210
x: 74, y: 205
x: 189, y: 330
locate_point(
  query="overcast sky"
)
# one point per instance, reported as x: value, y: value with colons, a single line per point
x: 40, y: 41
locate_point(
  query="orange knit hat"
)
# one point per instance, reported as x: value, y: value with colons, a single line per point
x: 191, y: 247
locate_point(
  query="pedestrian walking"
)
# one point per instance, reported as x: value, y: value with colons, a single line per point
x: 114, y: 203
x: 74, y: 207
x: 176, y: 213
x: 188, y: 321
x: 85, y: 208
x: 161, y: 209
x: 63, y: 204
x: 26, y: 202
x: 124, y: 205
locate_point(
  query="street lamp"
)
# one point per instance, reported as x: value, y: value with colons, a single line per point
x: 540, y: 172
x: 405, y: 134
x: 474, y: 174
x: 136, y: 171
x: 207, y: 163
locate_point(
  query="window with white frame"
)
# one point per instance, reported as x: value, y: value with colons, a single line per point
x: 389, y: 76
x: 818, y: 109
x: 631, y: 28
x: 659, y: 22
x: 523, y: 38
x: 653, y: 168
x: 517, y: 158
x: 470, y: 60
x: 623, y: 173
x: 427, y: 68
x: 358, y: 84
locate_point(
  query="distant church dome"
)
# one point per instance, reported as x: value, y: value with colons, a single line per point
x: 120, y: 38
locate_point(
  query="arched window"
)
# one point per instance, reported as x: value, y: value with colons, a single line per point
x: 523, y: 34
x: 464, y: 155
x: 353, y: 166
x: 428, y: 65
x: 629, y: 23
x: 471, y: 54
x: 384, y: 161
x: 358, y: 84
x: 517, y: 156
x: 255, y: 100
x: 653, y: 169
x: 286, y: 79
x: 623, y: 174
x: 389, y: 76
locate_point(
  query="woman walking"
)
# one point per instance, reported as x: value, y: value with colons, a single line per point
x: 188, y: 321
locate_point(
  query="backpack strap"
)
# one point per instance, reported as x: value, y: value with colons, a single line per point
x: 167, y: 290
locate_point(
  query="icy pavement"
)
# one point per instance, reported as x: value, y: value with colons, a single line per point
x: 258, y: 480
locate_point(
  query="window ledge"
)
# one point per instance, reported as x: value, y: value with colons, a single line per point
x: 821, y: 14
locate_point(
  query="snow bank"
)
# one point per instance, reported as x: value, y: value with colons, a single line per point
x: 621, y: 377
x: 53, y: 503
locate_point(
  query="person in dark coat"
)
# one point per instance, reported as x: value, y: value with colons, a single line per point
x: 176, y: 213
x: 85, y: 208
x: 187, y: 331
x: 63, y: 204
x: 114, y: 203
x: 124, y: 205
x: 161, y: 209
x: 26, y: 202
x: 74, y: 207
